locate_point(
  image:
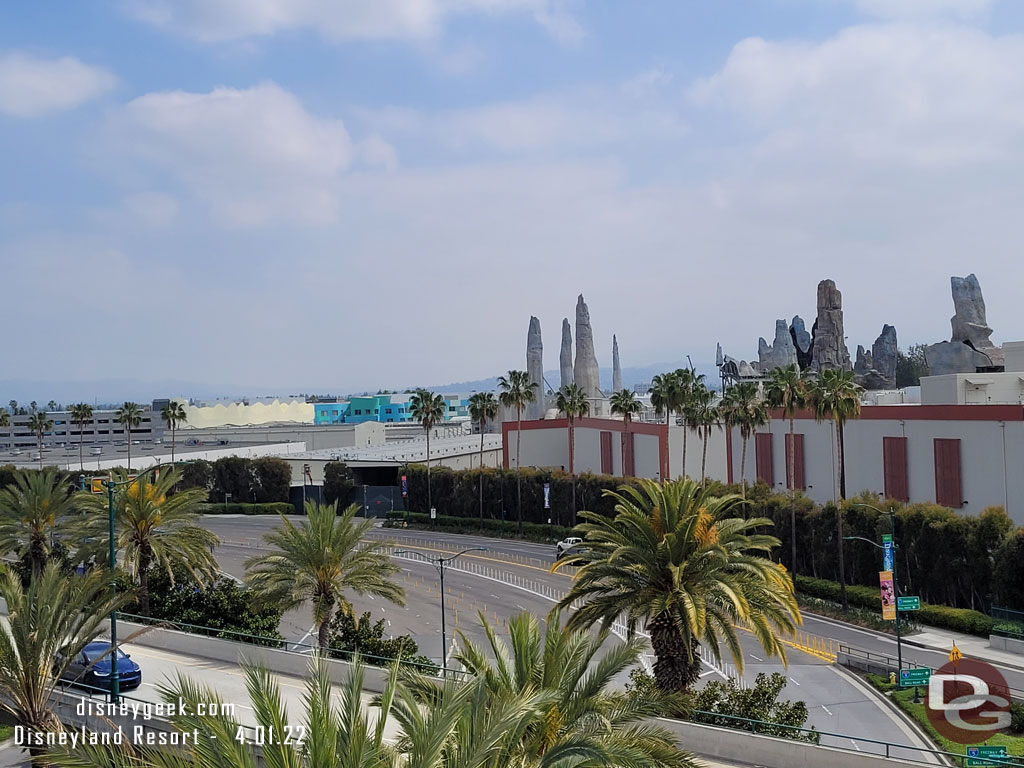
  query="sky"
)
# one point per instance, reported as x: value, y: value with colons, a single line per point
x: 331, y: 195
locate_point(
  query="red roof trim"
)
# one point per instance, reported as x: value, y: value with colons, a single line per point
x: 927, y: 413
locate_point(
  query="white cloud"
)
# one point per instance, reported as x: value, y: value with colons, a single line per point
x: 255, y: 156
x: 925, y: 96
x: 923, y: 9
x: 33, y: 87
x: 339, y: 20
x: 575, y: 121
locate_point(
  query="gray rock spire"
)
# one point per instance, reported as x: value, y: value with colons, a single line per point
x: 585, y: 372
x: 969, y: 322
x: 780, y: 353
x: 829, y: 346
x: 535, y: 369
x: 616, y: 368
x: 565, y: 355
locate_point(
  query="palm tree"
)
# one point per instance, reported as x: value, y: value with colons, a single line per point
x: 743, y: 407
x: 52, y: 405
x: 787, y: 390
x: 5, y: 418
x: 81, y: 415
x: 687, y: 382
x: 702, y: 413
x: 173, y: 415
x: 626, y: 404
x: 14, y: 407
x: 482, y: 408
x: 35, y: 509
x: 155, y: 527
x: 664, y: 393
x: 675, y: 559
x: 517, y: 391
x: 428, y: 409
x: 40, y: 424
x: 463, y: 726
x: 572, y: 401
x: 321, y: 558
x: 50, y: 622
x: 835, y: 396
x: 575, y: 670
x: 129, y: 415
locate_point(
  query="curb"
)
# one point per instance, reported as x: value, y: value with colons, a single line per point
x: 941, y: 649
x: 903, y: 717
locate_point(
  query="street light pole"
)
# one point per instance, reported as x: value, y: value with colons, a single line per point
x: 895, y: 579
x: 440, y: 563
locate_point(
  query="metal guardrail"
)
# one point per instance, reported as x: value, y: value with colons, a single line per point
x: 1007, y: 622
x: 888, y: 748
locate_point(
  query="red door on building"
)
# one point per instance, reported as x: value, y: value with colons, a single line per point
x: 894, y: 468
x: 763, y: 458
x: 797, y: 471
x: 948, y: 490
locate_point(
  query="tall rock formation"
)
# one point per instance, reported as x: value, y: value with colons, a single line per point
x: 585, y: 372
x: 780, y: 353
x: 565, y: 355
x: 535, y: 369
x: 883, y: 358
x: 862, y: 362
x: 828, y: 348
x: 802, y: 342
x: 968, y: 321
x: 616, y: 368
x: 970, y: 346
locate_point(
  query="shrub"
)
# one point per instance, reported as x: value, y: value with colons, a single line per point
x: 272, y: 508
x: 197, y: 473
x: 957, y: 619
x: 720, y: 703
x: 1008, y: 576
x: 351, y: 635
x: 542, y: 534
x: 1017, y: 717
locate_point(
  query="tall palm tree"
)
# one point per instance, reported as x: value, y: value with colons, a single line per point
x: 664, y: 393
x: 625, y: 403
x: 5, y: 418
x: 428, y: 409
x: 482, y: 408
x: 576, y: 672
x: 52, y: 405
x: 836, y: 397
x: 572, y: 401
x: 517, y: 391
x: 14, y: 407
x: 743, y: 407
x: 787, y: 391
x: 155, y: 527
x: 129, y: 415
x: 702, y: 413
x: 33, y: 511
x: 173, y: 415
x: 81, y: 416
x: 687, y: 382
x: 675, y: 559
x: 40, y: 424
x: 50, y: 622
x: 321, y: 558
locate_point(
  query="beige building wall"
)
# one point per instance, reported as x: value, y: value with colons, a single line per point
x: 237, y: 414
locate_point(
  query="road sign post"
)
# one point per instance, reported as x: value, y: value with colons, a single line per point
x: 914, y: 677
x: 976, y: 755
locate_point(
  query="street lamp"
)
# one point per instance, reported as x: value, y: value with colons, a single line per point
x: 112, y: 486
x: 895, y: 580
x: 440, y: 563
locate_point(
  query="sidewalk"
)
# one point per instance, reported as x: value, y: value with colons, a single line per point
x: 970, y: 645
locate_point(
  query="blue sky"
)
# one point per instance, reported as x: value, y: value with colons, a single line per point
x: 330, y: 195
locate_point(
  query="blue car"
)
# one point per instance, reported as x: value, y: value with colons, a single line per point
x: 92, y: 668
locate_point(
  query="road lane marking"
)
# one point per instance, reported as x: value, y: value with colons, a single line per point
x: 826, y: 710
x: 794, y: 681
x: 855, y: 745
x: 755, y: 658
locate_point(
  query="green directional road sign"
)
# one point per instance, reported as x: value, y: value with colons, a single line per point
x: 908, y: 603
x: 976, y: 755
x: 887, y: 538
x: 916, y: 676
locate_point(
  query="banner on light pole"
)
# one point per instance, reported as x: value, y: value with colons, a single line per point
x: 888, y: 595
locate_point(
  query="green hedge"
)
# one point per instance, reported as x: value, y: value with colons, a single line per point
x: 956, y: 619
x: 536, y: 532
x: 270, y: 508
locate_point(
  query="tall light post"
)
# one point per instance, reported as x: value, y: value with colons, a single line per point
x: 440, y: 563
x: 112, y: 486
x: 895, y: 580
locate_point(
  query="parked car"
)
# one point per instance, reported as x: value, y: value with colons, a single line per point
x: 92, y: 668
x: 562, y: 548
